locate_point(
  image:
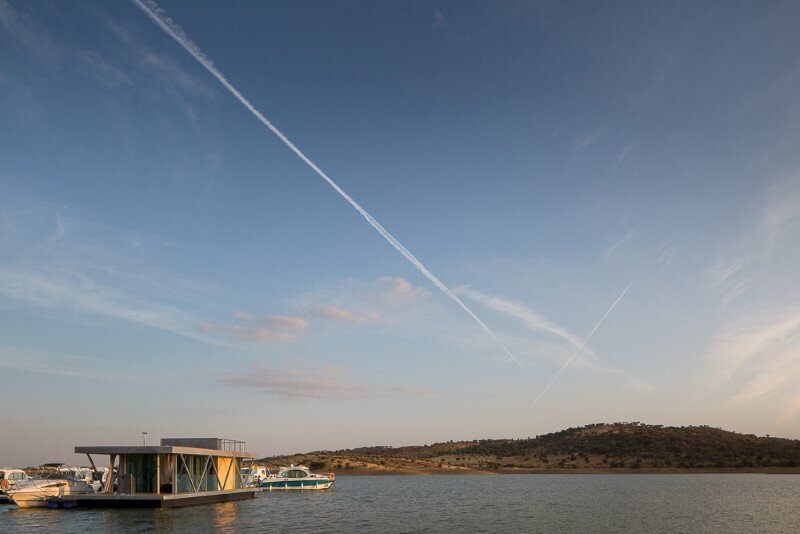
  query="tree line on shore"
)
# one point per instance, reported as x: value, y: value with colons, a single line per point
x: 630, y: 445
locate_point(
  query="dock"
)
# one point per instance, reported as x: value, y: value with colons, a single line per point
x: 148, y: 500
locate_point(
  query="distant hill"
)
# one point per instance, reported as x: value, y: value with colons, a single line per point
x: 602, y: 446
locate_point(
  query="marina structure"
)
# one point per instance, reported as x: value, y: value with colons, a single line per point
x: 178, y: 472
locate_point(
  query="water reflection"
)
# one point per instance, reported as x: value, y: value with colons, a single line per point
x: 226, y: 516
x: 583, y: 503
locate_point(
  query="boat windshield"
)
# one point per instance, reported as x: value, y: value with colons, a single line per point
x: 52, y: 476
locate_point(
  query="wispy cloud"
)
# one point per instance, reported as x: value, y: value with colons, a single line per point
x: 585, y: 357
x: 757, y: 356
x: 335, y: 313
x: 167, y: 73
x: 20, y: 28
x: 742, y: 263
x: 104, y: 71
x: 438, y: 20
x: 264, y: 335
x: 398, y: 291
x: 782, y: 209
x: 529, y: 317
x: 756, y: 336
x: 585, y: 141
x: 268, y: 329
x: 622, y: 155
x: 61, y: 289
x: 57, y: 363
x: 302, y: 380
x: 754, y: 351
x: 66, y: 265
x: 618, y: 246
x: 286, y: 322
x: 278, y: 322
x: 791, y: 410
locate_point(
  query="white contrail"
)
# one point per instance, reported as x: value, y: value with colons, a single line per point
x: 152, y: 10
x: 581, y: 346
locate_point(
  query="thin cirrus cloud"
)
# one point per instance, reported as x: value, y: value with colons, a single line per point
x: 397, y: 291
x: 530, y: 318
x: 304, y: 381
x: 278, y: 322
x: 260, y: 334
x: 535, y: 322
x: 782, y: 210
x: 24, y: 32
x: 741, y: 263
x: 753, y: 352
x: 341, y: 315
x: 757, y: 356
x: 758, y: 352
x: 57, y: 363
x: 268, y: 329
x: 77, y: 292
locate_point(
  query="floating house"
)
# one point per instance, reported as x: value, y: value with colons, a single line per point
x: 178, y: 472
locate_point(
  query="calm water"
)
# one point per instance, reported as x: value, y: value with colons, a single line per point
x: 489, y: 503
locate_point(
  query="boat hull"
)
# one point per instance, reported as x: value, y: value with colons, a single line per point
x: 31, y: 500
x: 35, y: 494
x: 299, y: 484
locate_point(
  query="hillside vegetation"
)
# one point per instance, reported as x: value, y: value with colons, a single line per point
x: 600, y: 446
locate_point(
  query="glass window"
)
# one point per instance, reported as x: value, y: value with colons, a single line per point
x: 143, y: 469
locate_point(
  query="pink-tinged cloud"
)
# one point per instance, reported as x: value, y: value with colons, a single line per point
x: 303, y: 381
x: 260, y: 334
x: 285, y: 322
x: 278, y: 322
x: 398, y: 291
x: 334, y: 313
x: 207, y: 327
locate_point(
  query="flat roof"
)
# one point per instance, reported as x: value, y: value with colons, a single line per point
x: 159, y: 449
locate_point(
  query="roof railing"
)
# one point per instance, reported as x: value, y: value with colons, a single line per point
x: 233, y: 445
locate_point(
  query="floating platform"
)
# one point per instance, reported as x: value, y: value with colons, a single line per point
x: 148, y: 500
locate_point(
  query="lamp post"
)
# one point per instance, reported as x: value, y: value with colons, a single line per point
x: 144, y: 438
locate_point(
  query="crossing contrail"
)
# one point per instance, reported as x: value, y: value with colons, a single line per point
x: 155, y: 13
x: 580, y: 347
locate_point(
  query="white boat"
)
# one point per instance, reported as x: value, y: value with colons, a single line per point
x: 297, y: 477
x: 36, y: 490
x: 253, y: 475
x: 10, y: 477
x: 95, y: 479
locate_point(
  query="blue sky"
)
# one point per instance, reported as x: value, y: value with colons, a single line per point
x: 168, y: 265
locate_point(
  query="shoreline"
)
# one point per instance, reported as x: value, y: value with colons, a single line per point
x: 616, y: 471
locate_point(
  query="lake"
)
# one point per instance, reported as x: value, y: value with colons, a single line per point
x: 473, y: 503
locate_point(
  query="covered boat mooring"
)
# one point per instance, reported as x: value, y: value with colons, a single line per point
x: 178, y: 472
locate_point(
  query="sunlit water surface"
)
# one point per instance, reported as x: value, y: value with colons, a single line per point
x: 481, y: 503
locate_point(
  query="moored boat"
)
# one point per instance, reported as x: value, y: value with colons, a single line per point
x: 9, y: 478
x: 37, y: 490
x: 297, y: 477
x: 253, y: 475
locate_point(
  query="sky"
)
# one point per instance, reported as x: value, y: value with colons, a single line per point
x: 168, y: 265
